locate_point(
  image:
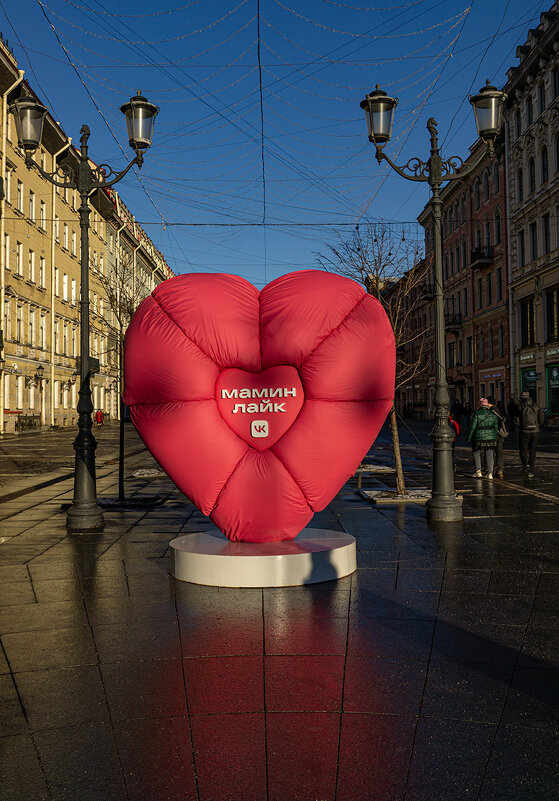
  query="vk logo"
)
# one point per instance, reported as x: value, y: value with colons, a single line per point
x: 259, y: 428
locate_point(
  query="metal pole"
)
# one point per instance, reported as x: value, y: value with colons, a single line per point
x: 443, y: 505
x: 85, y: 514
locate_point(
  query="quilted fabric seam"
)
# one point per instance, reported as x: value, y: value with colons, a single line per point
x: 185, y: 335
x: 227, y: 480
x: 324, y: 338
x: 292, y: 479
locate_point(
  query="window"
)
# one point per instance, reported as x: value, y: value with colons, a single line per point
x: 527, y: 322
x: 499, y: 283
x: 496, y: 179
x: 19, y: 258
x: 451, y: 262
x: 19, y: 392
x: 101, y: 264
x: 8, y: 185
x: 521, y: 249
x: 487, y: 234
x: 74, y: 341
x: 463, y: 248
x: 465, y: 301
x: 56, y: 393
x: 57, y: 228
x: 517, y: 123
x: 451, y: 353
x: 463, y: 207
x: 477, y: 199
x: 65, y: 236
x: 555, y: 82
x: 490, y: 345
x: 488, y: 290
x: 469, y: 351
x: 32, y: 327
x: 541, y: 97
x: 546, y: 231
x: 457, y: 258
x: 111, y: 243
x: 497, y: 227
x: 519, y: 186
x: 533, y: 241
x: 7, y: 320
x: 532, y: 175
x: 501, y: 339
x: 56, y: 337
x: 73, y: 243
x: 552, y: 308
x: 481, y: 355
x: 42, y: 332
x: 73, y: 292
x: 486, y: 186
x: 31, y: 205
x: 42, y: 266
x: 19, y: 323
x: 557, y: 153
x: 7, y: 251
x: 544, y: 162
x: 31, y: 266
x: 43, y: 216
x: 65, y: 339
x: 19, y: 201
x: 57, y: 281
x: 479, y: 293
x: 64, y: 287
x: 478, y: 238
x: 529, y: 111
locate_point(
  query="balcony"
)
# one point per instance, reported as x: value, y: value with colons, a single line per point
x: 453, y: 323
x: 482, y: 257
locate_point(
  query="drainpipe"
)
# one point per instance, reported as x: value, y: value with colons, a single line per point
x: 512, y: 310
x: 52, y: 244
x: 2, y: 244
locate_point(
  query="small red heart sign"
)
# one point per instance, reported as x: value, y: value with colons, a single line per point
x: 259, y: 405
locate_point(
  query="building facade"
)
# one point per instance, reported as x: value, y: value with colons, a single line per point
x: 40, y: 263
x: 532, y: 156
x: 474, y: 280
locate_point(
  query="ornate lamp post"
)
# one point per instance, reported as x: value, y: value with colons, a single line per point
x: 85, y: 514
x: 444, y: 505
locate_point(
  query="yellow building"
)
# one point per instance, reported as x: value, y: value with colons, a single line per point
x: 40, y: 277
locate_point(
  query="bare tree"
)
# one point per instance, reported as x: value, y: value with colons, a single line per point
x: 392, y: 270
x: 124, y: 289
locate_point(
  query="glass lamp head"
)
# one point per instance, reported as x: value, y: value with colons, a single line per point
x: 488, y: 110
x: 29, y: 116
x: 379, y: 113
x: 140, y: 116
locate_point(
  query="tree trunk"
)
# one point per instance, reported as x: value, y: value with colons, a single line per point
x: 400, y: 483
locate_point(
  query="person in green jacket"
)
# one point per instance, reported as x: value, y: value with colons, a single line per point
x: 483, y: 434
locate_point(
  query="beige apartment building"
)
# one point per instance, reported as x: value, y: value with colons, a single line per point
x: 40, y: 262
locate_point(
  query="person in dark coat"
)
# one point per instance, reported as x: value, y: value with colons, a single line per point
x: 530, y: 419
x: 512, y: 407
x: 483, y: 434
x: 502, y: 434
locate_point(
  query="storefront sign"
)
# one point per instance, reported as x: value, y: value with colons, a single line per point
x: 552, y: 352
x: 259, y: 405
x: 552, y: 380
x: 526, y: 357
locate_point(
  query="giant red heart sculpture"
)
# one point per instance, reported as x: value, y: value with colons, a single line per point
x: 259, y: 405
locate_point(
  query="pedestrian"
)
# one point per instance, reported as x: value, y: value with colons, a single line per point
x: 503, y: 433
x: 455, y: 430
x: 530, y: 419
x: 99, y: 417
x: 467, y: 414
x: 457, y: 411
x: 483, y: 433
x: 511, y: 413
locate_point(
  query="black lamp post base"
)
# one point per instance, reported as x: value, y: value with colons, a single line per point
x: 444, y: 509
x: 85, y: 517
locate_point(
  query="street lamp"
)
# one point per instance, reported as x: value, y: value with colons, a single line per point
x: 84, y: 514
x: 443, y: 505
x: 40, y: 377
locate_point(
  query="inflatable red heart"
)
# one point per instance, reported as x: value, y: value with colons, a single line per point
x: 259, y: 405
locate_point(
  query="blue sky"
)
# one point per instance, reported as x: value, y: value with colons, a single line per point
x: 260, y: 153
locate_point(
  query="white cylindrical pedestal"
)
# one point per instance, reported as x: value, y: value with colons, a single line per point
x: 314, y: 555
